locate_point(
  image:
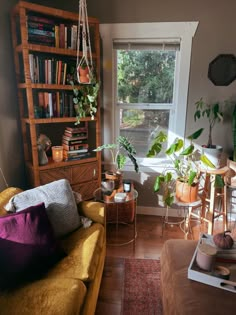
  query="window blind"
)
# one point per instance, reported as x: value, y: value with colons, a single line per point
x: 146, y: 45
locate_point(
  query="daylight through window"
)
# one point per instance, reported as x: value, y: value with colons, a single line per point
x: 145, y: 90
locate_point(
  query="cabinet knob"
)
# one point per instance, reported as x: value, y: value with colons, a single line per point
x: 94, y: 172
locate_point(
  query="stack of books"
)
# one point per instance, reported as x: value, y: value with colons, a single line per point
x: 41, y: 30
x: 75, y: 143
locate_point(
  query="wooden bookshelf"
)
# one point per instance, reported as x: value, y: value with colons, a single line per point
x: 84, y: 174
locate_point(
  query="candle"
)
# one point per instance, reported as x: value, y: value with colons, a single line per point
x: 127, y: 185
x: 57, y: 153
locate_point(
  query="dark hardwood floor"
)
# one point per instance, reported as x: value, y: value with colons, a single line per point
x: 149, y: 243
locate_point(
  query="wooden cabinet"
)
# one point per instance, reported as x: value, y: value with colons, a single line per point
x: 44, y: 66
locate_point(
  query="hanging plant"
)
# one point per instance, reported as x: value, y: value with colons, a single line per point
x: 85, y: 63
x: 85, y: 100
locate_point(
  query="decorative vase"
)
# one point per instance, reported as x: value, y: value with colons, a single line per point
x: 42, y: 156
x: 186, y: 193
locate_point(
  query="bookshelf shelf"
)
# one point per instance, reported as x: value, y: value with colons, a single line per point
x: 45, y: 86
x: 33, y: 121
x: 50, y: 50
x: 84, y: 173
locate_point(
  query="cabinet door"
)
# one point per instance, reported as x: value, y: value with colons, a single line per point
x: 49, y: 176
x: 84, y: 173
x: 86, y: 189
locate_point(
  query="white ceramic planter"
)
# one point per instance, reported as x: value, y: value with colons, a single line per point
x: 214, y: 155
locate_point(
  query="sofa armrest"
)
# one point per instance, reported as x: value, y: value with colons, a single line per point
x: 93, y: 210
x: 5, y: 196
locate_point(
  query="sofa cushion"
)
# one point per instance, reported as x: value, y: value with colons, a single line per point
x: 83, y: 248
x: 54, y: 296
x: 5, y: 196
x: 27, y: 245
x: 59, y: 202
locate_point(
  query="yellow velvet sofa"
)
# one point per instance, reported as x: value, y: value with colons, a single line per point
x: 72, y: 285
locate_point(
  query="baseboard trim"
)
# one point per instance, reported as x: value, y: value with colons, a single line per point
x: 159, y: 211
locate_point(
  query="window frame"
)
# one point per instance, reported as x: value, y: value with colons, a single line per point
x: 182, y: 32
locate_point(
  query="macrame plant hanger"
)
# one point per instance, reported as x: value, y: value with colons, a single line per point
x: 84, y: 61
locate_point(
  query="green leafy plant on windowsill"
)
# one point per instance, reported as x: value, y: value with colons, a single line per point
x: 85, y: 100
x: 119, y: 151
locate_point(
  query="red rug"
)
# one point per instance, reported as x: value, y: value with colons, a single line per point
x: 142, y: 294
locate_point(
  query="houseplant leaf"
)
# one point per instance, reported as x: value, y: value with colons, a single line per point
x: 188, y: 150
x: 158, y: 181
x: 196, y: 134
x: 192, y: 177
x: 219, y: 182
x: 206, y: 161
x: 175, y: 147
x: 120, y: 160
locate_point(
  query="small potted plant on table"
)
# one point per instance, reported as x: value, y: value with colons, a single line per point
x: 119, y: 151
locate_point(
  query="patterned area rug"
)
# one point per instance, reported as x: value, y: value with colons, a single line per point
x: 142, y: 294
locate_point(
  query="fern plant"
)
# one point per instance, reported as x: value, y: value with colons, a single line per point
x: 119, y: 151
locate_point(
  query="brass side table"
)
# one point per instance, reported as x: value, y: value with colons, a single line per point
x: 120, y: 214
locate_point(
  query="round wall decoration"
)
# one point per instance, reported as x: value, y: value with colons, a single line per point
x: 222, y: 70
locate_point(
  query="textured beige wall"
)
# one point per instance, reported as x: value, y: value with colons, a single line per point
x: 11, y: 157
x: 215, y: 35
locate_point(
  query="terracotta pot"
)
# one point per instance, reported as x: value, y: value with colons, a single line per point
x: 83, y: 71
x: 186, y: 193
x: 84, y: 75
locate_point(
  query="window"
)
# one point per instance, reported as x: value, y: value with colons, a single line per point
x: 145, y: 76
x: 145, y: 79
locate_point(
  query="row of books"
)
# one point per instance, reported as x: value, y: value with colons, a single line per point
x: 41, y: 30
x: 75, y: 143
x: 44, y: 31
x: 54, y: 104
x: 51, y: 70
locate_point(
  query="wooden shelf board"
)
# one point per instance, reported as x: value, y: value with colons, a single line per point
x: 49, y: 49
x: 33, y: 121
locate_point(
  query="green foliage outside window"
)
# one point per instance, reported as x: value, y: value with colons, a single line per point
x: 145, y: 76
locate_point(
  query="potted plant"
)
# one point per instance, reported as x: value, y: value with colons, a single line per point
x: 119, y: 151
x: 213, y: 113
x: 184, y: 168
x: 85, y: 100
x: 84, y: 72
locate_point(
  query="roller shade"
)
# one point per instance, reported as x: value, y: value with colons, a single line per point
x: 146, y: 45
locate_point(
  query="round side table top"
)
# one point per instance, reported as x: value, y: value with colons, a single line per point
x: 103, y: 196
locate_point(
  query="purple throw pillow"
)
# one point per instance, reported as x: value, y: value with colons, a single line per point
x: 27, y: 246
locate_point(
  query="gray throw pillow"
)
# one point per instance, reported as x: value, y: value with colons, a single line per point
x: 59, y: 202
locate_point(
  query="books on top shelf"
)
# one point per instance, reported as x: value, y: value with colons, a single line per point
x: 43, y: 30
x: 75, y: 143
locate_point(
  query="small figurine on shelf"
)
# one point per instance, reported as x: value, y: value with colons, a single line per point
x: 44, y: 144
